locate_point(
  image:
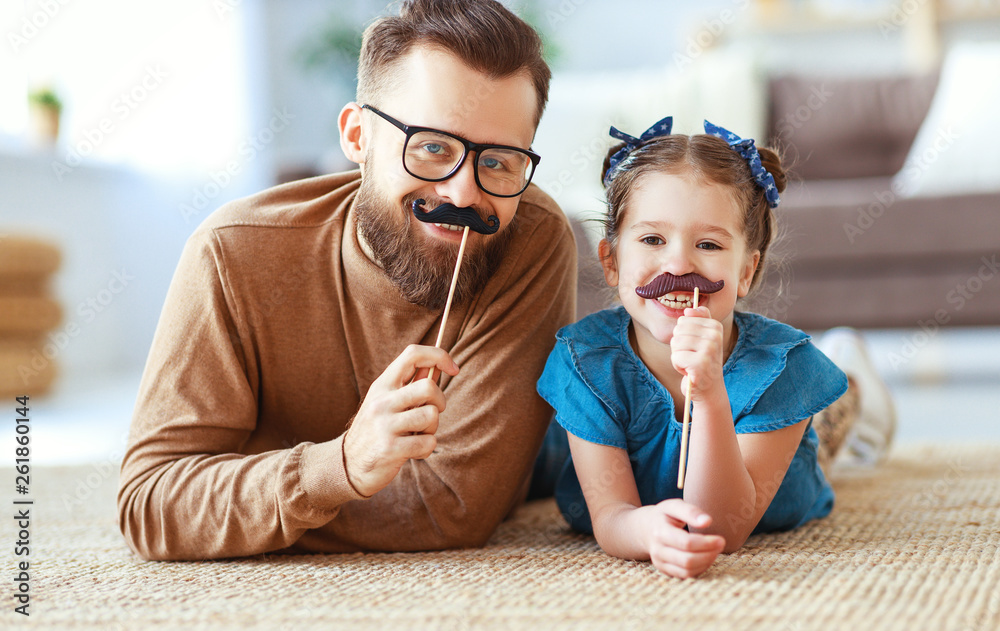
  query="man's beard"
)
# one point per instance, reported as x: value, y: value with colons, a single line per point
x: 420, y: 266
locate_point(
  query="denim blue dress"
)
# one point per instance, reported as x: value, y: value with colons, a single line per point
x: 603, y: 393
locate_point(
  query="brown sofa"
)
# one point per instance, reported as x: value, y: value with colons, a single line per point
x: 853, y: 251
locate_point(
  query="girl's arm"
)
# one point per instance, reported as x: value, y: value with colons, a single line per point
x: 626, y: 530
x: 733, y: 478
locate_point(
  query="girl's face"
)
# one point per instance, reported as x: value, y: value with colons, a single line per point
x: 678, y: 224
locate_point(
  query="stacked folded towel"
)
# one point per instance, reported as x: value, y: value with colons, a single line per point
x: 28, y: 315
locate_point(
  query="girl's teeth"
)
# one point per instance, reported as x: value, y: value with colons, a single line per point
x: 677, y: 300
x: 448, y: 226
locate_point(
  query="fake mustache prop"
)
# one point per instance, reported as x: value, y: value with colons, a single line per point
x: 660, y: 286
x: 666, y: 283
x: 451, y: 214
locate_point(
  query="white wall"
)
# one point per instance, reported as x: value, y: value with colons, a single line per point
x: 166, y: 118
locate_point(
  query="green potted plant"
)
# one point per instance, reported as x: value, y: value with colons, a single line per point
x: 46, y: 109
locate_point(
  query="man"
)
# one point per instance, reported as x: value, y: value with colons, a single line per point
x: 284, y: 405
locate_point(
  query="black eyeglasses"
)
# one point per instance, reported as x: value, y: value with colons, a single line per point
x: 433, y: 156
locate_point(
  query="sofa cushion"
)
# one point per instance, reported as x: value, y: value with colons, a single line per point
x: 22, y: 256
x: 955, y: 151
x: 838, y: 127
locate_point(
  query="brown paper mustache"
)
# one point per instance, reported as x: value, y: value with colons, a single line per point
x: 666, y: 283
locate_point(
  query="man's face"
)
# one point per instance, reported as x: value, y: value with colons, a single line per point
x: 437, y: 90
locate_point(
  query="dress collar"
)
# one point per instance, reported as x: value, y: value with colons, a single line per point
x: 758, y: 357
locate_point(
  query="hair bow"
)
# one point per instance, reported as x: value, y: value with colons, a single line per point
x: 745, y: 147
x: 661, y: 127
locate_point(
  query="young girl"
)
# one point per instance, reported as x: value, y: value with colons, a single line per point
x: 686, y: 212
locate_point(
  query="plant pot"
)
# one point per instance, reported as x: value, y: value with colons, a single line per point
x: 45, y: 124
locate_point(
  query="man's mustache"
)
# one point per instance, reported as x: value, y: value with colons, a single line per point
x: 452, y: 214
x: 666, y: 283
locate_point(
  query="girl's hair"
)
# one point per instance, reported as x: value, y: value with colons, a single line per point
x: 706, y: 157
x: 484, y: 34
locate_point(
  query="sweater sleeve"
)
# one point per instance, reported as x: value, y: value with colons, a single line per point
x: 492, y: 428
x: 186, y: 491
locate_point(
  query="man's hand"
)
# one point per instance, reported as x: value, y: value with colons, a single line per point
x: 397, y: 420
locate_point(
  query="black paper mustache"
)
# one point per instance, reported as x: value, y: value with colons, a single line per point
x: 666, y: 283
x: 451, y: 214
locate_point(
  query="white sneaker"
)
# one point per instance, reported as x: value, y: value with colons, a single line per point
x: 869, y: 438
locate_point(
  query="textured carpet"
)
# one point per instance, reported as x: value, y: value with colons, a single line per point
x: 914, y: 544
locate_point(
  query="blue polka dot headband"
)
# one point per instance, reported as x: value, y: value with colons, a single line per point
x: 661, y: 127
x: 743, y: 146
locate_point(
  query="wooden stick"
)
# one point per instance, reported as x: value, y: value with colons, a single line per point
x: 682, y: 467
x: 451, y: 293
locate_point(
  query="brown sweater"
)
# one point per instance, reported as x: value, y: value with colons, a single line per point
x: 274, y: 327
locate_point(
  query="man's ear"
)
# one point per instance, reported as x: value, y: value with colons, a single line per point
x: 748, y: 271
x: 607, y: 257
x: 353, y: 140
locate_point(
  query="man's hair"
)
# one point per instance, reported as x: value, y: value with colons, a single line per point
x: 484, y: 34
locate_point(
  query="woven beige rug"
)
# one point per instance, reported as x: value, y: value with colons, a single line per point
x: 914, y: 544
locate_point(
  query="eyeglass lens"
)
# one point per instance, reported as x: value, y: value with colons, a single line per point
x: 434, y: 156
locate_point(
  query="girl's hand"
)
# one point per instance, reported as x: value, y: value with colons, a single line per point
x: 672, y: 549
x: 696, y: 351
